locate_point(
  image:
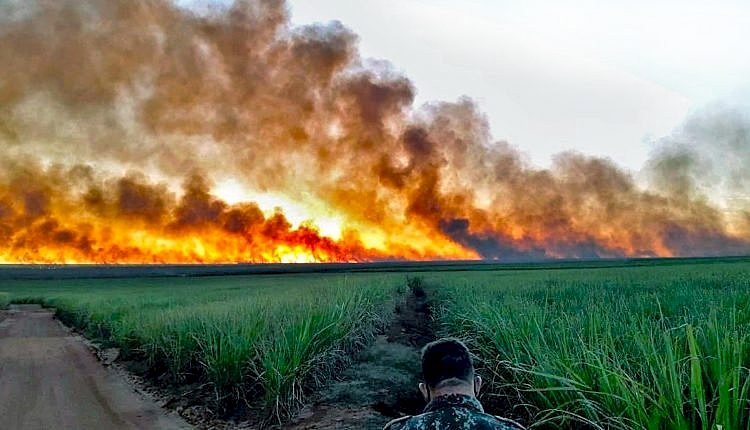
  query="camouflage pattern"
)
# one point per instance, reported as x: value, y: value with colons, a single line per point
x: 451, y: 412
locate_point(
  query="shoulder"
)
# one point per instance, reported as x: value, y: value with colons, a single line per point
x: 496, y: 422
x: 396, y: 424
x: 508, y: 423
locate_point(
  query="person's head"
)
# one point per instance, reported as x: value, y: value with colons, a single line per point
x: 447, y: 369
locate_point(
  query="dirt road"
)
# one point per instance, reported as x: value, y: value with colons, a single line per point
x: 50, y: 380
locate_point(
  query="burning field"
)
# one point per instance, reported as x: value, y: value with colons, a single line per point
x: 141, y: 132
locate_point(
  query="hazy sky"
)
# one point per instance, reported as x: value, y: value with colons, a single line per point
x: 592, y: 76
x: 600, y: 77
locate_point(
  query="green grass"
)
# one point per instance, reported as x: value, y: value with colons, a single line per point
x: 267, y: 339
x: 646, y: 348
x: 4, y: 300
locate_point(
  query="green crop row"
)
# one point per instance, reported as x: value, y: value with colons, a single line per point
x: 647, y: 348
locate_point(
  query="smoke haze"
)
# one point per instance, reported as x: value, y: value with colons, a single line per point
x: 119, y: 118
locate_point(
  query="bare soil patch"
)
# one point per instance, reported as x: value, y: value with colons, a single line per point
x: 381, y: 384
x: 50, y: 379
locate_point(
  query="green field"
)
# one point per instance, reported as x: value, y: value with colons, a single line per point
x: 4, y: 299
x: 638, y: 345
x: 652, y: 347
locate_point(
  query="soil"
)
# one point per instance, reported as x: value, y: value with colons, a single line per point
x: 49, y: 378
x: 382, y: 382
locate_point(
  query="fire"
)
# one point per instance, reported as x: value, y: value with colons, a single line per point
x: 142, y: 133
x: 141, y: 223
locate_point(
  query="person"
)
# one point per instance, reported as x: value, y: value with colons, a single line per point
x: 450, y: 387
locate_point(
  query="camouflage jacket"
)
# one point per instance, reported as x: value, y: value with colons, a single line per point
x: 451, y: 412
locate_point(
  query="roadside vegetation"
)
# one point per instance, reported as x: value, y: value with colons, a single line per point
x: 263, y: 341
x: 650, y: 348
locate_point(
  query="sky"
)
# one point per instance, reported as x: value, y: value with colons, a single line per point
x: 602, y: 78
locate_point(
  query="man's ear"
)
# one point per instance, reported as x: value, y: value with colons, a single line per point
x: 477, y: 384
x: 425, y: 391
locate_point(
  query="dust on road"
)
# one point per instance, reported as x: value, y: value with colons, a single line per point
x: 50, y: 379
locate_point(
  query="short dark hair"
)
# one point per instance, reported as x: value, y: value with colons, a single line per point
x: 446, y: 361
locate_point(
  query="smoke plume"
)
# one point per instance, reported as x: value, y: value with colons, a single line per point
x: 119, y: 118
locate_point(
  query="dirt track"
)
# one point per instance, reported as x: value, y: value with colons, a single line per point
x: 381, y: 384
x: 50, y: 379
